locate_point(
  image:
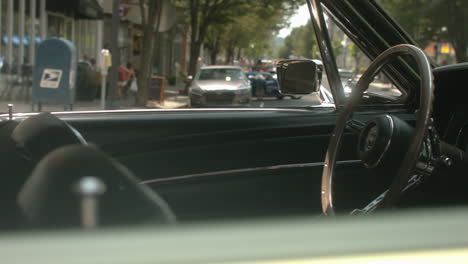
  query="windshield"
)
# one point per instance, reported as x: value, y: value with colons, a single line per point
x: 220, y: 74
x: 437, y: 26
x: 107, y: 59
x: 104, y: 55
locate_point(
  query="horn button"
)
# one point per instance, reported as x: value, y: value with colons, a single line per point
x: 383, y: 143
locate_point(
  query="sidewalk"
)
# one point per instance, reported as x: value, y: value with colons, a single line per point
x: 172, y: 100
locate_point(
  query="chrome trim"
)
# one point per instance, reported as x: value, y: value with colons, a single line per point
x: 389, y: 142
x: 460, y: 133
x: 77, y: 134
x: 226, y: 172
x: 326, y: 50
x: 175, y: 110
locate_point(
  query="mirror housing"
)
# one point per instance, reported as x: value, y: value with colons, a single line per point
x: 299, y: 76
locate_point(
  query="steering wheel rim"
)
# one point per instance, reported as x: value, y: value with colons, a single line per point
x: 422, y: 121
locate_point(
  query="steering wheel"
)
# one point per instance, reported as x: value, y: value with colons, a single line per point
x: 380, y: 138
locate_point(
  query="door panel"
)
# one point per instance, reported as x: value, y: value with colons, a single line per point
x: 165, y: 145
x: 267, y: 193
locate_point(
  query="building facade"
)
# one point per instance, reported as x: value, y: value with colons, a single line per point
x: 25, y: 23
x: 87, y: 24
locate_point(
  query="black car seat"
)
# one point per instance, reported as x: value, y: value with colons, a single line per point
x: 40, y: 134
x: 23, y: 143
x: 48, y: 199
x: 14, y: 170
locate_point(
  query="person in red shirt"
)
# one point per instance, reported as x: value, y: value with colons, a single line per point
x: 123, y: 77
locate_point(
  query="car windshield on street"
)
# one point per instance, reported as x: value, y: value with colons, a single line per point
x: 221, y: 74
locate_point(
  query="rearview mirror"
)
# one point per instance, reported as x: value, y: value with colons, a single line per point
x: 299, y: 76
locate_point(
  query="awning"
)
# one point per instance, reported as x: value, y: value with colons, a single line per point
x: 16, y: 40
x: 84, y: 9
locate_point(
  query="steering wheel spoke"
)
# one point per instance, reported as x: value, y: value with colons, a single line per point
x: 355, y: 126
x: 379, y: 202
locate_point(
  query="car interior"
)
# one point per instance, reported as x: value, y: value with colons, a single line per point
x: 207, y: 164
x: 168, y: 166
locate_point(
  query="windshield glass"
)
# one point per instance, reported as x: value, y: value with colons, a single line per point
x: 437, y: 26
x: 106, y: 54
x: 220, y: 74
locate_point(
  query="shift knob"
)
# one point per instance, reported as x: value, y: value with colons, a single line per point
x: 90, y: 188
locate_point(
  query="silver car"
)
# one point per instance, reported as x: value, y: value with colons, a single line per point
x: 220, y: 86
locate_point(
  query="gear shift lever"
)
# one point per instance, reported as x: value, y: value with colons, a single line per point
x: 90, y: 188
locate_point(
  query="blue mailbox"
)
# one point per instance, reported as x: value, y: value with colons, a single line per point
x: 54, y: 77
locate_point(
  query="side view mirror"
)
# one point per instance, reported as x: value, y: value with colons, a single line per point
x: 189, y: 78
x: 299, y: 76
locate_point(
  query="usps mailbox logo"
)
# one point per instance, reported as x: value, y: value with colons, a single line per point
x: 51, y: 78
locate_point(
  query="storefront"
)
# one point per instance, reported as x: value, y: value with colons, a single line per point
x: 24, y: 23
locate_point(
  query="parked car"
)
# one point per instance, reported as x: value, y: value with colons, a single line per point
x: 220, y: 86
x: 395, y: 166
x: 264, y: 85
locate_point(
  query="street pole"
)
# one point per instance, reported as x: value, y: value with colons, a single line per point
x: 103, y: 63
x: 43, y: 19
x: 21, y: 23
x: 115, y: 55
x: 32, y: 28
x: 103, y: 91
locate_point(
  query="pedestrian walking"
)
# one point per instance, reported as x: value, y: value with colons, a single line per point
x: 123, y: 77
x: 131, y: 79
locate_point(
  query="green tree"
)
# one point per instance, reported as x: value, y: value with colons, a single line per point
x: 202, y: 15
x: 300, y: 43
x: 433, y: 20
x: 356, y: 54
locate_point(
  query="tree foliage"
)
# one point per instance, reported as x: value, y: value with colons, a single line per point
x: 253, y: 32
x: 433, y: 20
x: 300, y: 43
x: 231, y: 24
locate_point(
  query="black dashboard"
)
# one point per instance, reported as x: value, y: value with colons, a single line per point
x: 451, y: 104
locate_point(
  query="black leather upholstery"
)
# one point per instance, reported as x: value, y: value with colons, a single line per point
x: 44, y: 132
x: 48, y: 197
x: 14, y: 170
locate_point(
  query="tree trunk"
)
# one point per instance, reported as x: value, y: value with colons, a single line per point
x: 460, y: 47
x: 229, y: 54
x: 194, y: 55
x: 213, y: 55
x: 215, y: 50
x: 239, y: 53
x: 357, y: 61
x: 193, y: 62
x: 146, y: 63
